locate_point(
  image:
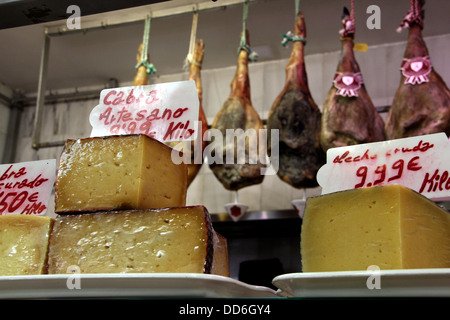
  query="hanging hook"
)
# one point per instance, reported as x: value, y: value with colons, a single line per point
x: 290, y: 36
x: 252, y: 56
x: 190, y: 54
x: 144, y: 56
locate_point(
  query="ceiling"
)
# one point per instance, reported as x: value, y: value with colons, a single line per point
x: 93, y: 56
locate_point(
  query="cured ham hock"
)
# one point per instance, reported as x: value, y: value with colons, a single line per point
x: 297, y: 118
x: 349, y: 116
x: 237, y: 113
x: 194, y: 154
x: 196, y: 157
x: 421, y: 103
x: 199, y: 144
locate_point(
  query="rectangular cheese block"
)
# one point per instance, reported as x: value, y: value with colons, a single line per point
x: 118, y: 172
x: 24, y: 244
x: 392, y: 227
x: 133, y: 241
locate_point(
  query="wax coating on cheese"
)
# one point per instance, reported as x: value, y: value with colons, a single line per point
x: 133, y: 241
x: 118, y: 172
x: 24, y: 244
x: 392, y: 227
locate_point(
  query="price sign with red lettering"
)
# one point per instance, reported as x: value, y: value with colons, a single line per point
x: 25, y: 187
x: 165, y: 111
x: 420, y: 163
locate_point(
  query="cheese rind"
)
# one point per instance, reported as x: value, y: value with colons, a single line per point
x: 24, y: 244
x: 133, y: 241
x: 221, y: 264
x: 392, y: 227
x: 118, y: 172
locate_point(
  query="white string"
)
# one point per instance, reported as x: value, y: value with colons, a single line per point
x: 190, y: 54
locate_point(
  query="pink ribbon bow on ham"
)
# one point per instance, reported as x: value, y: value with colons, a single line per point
x: 347, y: 83
x: 416, y: 69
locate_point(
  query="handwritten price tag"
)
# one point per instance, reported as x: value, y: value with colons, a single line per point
x: 420, y: 163
x: 165, y: 111
x: 25, y: 187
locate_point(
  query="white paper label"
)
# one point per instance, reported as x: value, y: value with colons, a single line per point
x: 26, y: 187
x: 165, y: 111
x: 420, y: 163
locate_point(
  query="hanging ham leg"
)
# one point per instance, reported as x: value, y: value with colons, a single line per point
x: 194, y: 153
x: 198, y: 145
x: 349, y: 116
x: 238, y: 113
x: 297, y: 117
x: 421, y: 103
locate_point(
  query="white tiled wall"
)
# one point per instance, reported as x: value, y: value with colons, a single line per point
x: 380, y: 69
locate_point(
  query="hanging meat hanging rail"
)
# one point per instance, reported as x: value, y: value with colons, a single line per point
x: 54, y: 30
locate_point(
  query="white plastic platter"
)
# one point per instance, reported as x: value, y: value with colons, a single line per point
x: 390, y: 283
x: 154, y: 285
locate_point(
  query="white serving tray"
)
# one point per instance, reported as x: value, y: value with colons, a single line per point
x: 130, y: 285
x: 392, y: 283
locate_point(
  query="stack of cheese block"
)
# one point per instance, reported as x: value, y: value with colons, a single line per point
x: 121, y: 207
x: 391, y: 227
